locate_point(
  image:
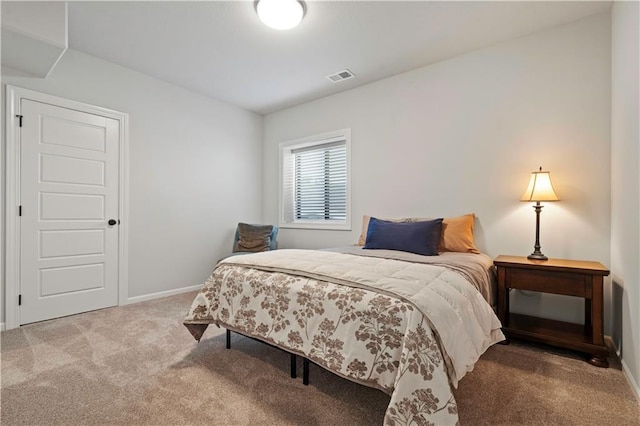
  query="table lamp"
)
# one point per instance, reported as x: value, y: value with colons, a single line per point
x: 539, y: 189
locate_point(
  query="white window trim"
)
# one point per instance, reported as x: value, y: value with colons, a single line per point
x: 285, y: 148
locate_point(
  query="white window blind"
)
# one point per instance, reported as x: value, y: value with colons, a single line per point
x: 315, y: 182
x: 321, y: 182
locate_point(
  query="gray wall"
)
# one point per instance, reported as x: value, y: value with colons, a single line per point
x: 625, y: 183
x: 463, y: 136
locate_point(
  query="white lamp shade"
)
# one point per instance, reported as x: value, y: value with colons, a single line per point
x: 540, y: 188
x: 280, y: 14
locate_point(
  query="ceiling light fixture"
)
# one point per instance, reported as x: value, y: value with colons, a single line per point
x: 280, y: 14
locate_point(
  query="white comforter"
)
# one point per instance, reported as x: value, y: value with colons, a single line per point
x: 287, y: 297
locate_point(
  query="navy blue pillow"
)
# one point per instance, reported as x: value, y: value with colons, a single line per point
x: 415, y: 237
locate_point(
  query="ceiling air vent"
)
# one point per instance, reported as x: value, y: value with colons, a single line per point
x: 340, y: 76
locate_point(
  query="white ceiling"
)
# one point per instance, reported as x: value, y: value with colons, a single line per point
x: 222, y: 50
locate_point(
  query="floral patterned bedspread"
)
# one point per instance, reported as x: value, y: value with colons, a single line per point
x: 347, y: 325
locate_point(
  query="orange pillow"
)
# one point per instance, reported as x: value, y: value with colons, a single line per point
x: 457, y: 234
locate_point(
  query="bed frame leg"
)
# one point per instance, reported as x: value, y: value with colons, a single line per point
x: 305, y: 371
x: 228, y: 339
x: 294, y: 366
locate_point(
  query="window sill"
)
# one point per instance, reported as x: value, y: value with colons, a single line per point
x: 318, y: 225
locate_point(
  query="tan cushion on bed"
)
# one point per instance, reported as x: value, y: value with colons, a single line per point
x: 363, y: 234
x: 457, y: 232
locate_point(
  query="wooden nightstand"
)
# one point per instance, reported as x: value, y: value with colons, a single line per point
x: 557, y: 276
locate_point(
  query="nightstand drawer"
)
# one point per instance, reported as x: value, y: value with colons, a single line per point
x: 557, y: 282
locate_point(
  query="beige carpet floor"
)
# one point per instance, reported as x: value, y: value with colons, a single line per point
x: 137, y: 364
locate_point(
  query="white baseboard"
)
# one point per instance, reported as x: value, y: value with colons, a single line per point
x: 627, y: 372
x: 2, y: 327
x: 631, y: 380
x: 151, y: 296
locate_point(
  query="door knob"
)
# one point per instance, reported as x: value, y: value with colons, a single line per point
x: 112, y: 222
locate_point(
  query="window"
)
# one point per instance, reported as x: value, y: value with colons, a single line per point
x: 315, y: 182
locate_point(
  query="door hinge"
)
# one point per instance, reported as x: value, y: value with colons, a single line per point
x: 19, y: 210
x: 19, y: 120
x: 19, y: 300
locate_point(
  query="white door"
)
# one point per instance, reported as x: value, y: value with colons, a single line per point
x: 68, y: 193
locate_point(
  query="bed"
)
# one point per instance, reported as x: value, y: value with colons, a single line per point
x: 407, y: 324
